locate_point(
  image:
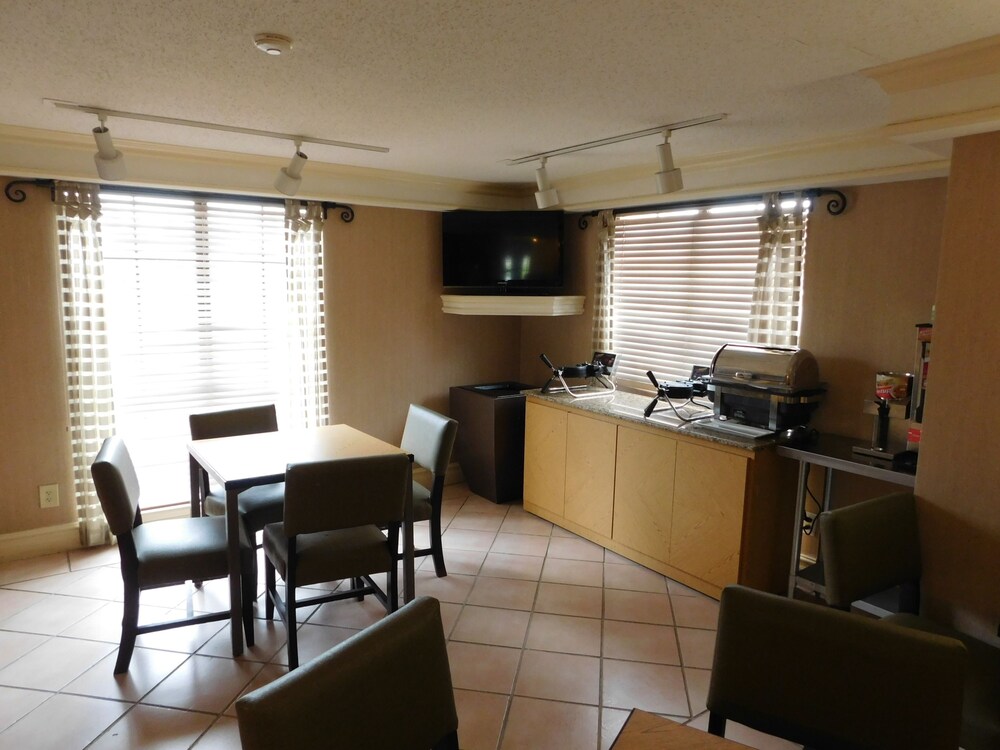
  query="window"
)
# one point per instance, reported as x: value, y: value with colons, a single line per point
x: 686, y: 280
x: 198, y: 319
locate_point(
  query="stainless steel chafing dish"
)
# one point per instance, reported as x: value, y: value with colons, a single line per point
x: 765, y: 386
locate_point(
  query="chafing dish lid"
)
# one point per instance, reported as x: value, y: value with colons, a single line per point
x: 770, y: 367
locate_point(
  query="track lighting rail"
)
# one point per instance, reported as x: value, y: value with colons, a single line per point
x: 618, y: 138
x: 105, y: 112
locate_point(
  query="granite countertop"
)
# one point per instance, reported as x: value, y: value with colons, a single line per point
x: 628, y: 407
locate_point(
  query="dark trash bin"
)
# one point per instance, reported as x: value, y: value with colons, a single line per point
x: 490, y: 442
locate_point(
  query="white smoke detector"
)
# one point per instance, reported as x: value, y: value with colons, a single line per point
x: 273, y: 44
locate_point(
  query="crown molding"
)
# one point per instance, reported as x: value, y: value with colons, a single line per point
x: 915, y: 149
x: 961, y: 81
x: 958, y: 63
x: 874, y: 156
x: 29, y: 152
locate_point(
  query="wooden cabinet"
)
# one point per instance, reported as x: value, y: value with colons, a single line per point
x: 700, y: 512
x: 709, y: 491
x: 590, y: 473
x: 545, y: 458
x: 644, y: 492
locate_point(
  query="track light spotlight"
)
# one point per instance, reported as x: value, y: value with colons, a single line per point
x: 109, y: 161
x: 290, y: 177
x: 547, y: 196
x: 668, y: 179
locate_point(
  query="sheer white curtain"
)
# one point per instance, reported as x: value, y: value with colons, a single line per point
x: 309, y: 396
x: 604, y: 282
x: 88, y: 371
x: 777, y: 297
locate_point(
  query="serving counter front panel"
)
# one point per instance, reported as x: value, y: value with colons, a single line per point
x: 702, y: 509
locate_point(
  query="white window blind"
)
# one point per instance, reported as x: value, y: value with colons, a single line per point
x: 195, y: 296
x: 683, y: 286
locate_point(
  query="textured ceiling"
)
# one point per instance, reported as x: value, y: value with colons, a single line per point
x: 456, y: 88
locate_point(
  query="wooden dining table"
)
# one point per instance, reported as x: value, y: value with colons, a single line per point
x: 239, y: 462
x: 646, y: 731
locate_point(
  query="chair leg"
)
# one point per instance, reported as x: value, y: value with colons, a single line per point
x: 357, y: 583
x: 270, y: 583
x: 392, y: 588
x: 293, y: 636
x: 392, y: 576
x: 249, y: 594
x: 716, y: 724
x: 437, y: 551
x: 130, y: 628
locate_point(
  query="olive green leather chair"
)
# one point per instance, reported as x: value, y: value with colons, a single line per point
x: 386, y: 688
x: 430, y: 437
x: 163, y: 553
x: 335, y: 513
x: 874, y: 545
x: 831, y: 680
x: 257, y: 506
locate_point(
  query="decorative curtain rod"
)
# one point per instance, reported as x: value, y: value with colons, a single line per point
x: 17, y: 195
x: 835, y: 206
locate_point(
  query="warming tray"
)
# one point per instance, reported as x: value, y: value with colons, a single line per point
x: 772, y: 368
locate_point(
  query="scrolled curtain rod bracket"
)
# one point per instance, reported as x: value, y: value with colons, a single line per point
x: 17, y: 195
x: 584, y: 221
x: 837, y: 203
x: 346, y: 212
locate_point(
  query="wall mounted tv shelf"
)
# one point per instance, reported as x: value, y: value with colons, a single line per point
x: 511, y: 304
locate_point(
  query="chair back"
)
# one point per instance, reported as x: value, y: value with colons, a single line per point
x: 831, y: 680
x: 247, y: 421
x: 429, y: 437
x: 344, y: 493
x: 117, y: 485
x: 870, y: 547
x: 399, y: 664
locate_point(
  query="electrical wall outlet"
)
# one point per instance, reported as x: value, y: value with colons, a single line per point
x: 48, y: 496
x: 809, y: 522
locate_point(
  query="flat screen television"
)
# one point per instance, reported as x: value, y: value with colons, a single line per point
x: 502, y: 252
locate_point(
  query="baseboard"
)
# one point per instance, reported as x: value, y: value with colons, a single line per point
x: 47, y: 540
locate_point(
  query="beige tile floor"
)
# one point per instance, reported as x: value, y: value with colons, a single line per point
x: 551, y: 641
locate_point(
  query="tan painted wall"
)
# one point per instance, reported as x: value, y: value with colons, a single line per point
x: 33, y: 412
x: 870, y: 277
x: 959, y: 478
x: 390, y: 344
x: 566, y: 339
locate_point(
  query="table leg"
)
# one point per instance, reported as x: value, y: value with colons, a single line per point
x: 800, y: 506
x: 235, y: 583
x: 195, y: 487
x: 409, y: 587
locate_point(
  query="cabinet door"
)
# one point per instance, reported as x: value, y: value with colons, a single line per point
x: 644, y: 489
x: 590, y: 472
x: 708, y: 513
x: 544, y: 457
